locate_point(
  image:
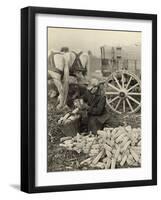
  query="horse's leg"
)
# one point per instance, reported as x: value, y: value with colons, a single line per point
x: 60, y: 64
x: 61, y: 93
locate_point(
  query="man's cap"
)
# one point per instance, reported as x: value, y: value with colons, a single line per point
x: 94, y: 82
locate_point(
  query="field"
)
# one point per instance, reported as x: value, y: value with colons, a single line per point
x: 61, y: 159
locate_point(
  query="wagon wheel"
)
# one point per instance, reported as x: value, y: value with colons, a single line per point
x: 123, y: 92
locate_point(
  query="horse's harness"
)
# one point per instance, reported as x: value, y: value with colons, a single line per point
x: 76, y: 66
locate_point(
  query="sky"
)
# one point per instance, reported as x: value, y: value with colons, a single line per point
x: 84, y: 40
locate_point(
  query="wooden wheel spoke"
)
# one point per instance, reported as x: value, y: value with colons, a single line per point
x: 117, y: 81
x: 129, y: 104
x: 124, y: 106
x: 133, y: 93
x: 112, y: 93
x: 113, y: 87
x: 123, y: 79
x: 134, y: 100
x: 114, y: 99
x: 129, y: 82
x: 134, y: 86
x: 118, y: 104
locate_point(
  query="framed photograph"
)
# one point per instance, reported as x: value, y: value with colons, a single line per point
x: 88, y: 99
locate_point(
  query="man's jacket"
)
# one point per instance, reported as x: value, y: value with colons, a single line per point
x: 97, y: 105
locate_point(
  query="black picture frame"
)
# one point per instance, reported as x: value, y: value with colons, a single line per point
x: 28, y: 91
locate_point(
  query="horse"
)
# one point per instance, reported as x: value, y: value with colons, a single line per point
x: 62, y: 66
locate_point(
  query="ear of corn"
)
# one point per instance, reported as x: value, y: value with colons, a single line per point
x: 123, y: 160
x: 113, y: 163
x: 98, y: 157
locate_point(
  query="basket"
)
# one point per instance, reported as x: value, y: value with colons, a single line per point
x: 72, y: 128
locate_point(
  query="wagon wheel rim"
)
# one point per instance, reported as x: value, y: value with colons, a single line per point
x: 123, y: 92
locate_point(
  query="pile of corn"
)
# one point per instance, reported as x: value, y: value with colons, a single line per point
x: 111, y: 148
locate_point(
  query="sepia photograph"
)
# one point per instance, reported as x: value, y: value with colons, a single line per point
x: 93, y: 99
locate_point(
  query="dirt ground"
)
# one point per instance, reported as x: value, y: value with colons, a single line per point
x: 60, y: 159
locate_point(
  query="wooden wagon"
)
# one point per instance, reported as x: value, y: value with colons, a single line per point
x: 121, y: 68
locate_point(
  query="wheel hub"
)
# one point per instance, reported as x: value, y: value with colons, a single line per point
x: 123, y: 94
